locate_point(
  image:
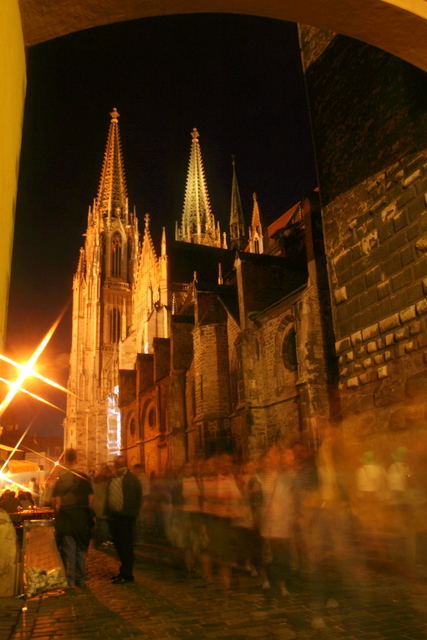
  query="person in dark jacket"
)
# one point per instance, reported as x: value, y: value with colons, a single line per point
x: 124, y: 501
x: 72, y: 500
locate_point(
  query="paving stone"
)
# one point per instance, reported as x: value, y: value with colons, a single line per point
x: 162, y: 605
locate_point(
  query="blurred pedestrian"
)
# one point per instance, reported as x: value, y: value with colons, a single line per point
x: 34, y: 487
x: 139, y: 471
x: 100, y: 484
x: 278, y: 521
x: 124, y: 502
x: 72, y: 500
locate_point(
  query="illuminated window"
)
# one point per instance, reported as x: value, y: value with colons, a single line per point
x: 132, y: 427
x: 289, y: 351
x: 115, y: 328
x: 116, y: 255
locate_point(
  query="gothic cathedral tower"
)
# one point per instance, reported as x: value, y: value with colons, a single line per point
x: 102, y: 312
x: 198, y: 222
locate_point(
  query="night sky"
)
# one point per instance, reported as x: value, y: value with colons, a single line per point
x: 237, y: 79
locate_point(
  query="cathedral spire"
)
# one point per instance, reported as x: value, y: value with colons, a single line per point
x: 237, y: 221
x: 198, y: 222
x: 258, y: 238
x: 112, y: 193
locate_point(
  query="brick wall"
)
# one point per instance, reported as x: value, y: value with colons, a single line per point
x: 369, y: 117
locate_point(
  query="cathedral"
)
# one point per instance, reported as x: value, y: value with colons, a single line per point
x: 202, y: 344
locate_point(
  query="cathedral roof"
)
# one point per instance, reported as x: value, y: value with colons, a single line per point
x: 112, y: 192
x: 185, y: 258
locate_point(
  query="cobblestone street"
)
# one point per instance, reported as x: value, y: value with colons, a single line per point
x: 164, y: 604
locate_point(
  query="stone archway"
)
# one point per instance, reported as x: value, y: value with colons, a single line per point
x: 398, y: 26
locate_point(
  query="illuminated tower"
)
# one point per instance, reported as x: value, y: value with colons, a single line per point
x: 237, y: 222
x: 258, y: 237
x: 198, y: 222
x: 102, y: 310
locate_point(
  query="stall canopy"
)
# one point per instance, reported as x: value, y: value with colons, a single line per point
x: 3, y: 447
x: 20, y: 466
x: 15, y: 466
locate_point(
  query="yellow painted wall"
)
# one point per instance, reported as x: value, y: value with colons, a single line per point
x: 12, y: 97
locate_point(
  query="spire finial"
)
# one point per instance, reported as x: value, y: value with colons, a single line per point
x: 233, y: 162
x: 163, y: 246
x: 254, y: 196
x: 195, y: 134
x: 114, y: 115
x: 220, y: 278
x: 147, y: 220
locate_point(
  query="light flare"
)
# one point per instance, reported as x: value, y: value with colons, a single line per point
x: 10, y: 481
x: 17, y: 445
x: 33, y: 395
x: 27, y: 369
x: 35, y: 374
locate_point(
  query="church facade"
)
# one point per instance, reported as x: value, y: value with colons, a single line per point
x: 203, y: 344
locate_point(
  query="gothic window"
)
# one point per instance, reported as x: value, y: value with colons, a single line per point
x: 256, y: 245
x: 152, y: 418
x: 115, y: 326
x: 132, y: 427
x: 289, y: 350
x: 116, y: 255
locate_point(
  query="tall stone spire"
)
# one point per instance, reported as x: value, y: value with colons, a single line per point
x: 237, y: 221
x: 258, y: 238
x: 198, y: 222
x: 112, y: 197
x: 102, y: 313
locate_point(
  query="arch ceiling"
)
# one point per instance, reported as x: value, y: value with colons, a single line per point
x: 397, y: 26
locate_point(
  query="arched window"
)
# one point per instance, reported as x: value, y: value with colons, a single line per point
x: 152, y: 418
x: 289, y: 350
x: 115, y: 326
x: 116, y: 255
x: 256, y: 245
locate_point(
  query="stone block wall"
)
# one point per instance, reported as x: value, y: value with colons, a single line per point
x: 162, y: 360
x: 369, y: 118
x: 145, y: 371
x: 212, y: 385
x: 181, y: 342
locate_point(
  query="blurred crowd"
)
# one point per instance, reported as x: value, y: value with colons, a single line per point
x: 289, y: 515
x: 17, y: 497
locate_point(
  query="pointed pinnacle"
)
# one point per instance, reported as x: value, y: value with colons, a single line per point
x: 195, y: 134
x: 114, y: 115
